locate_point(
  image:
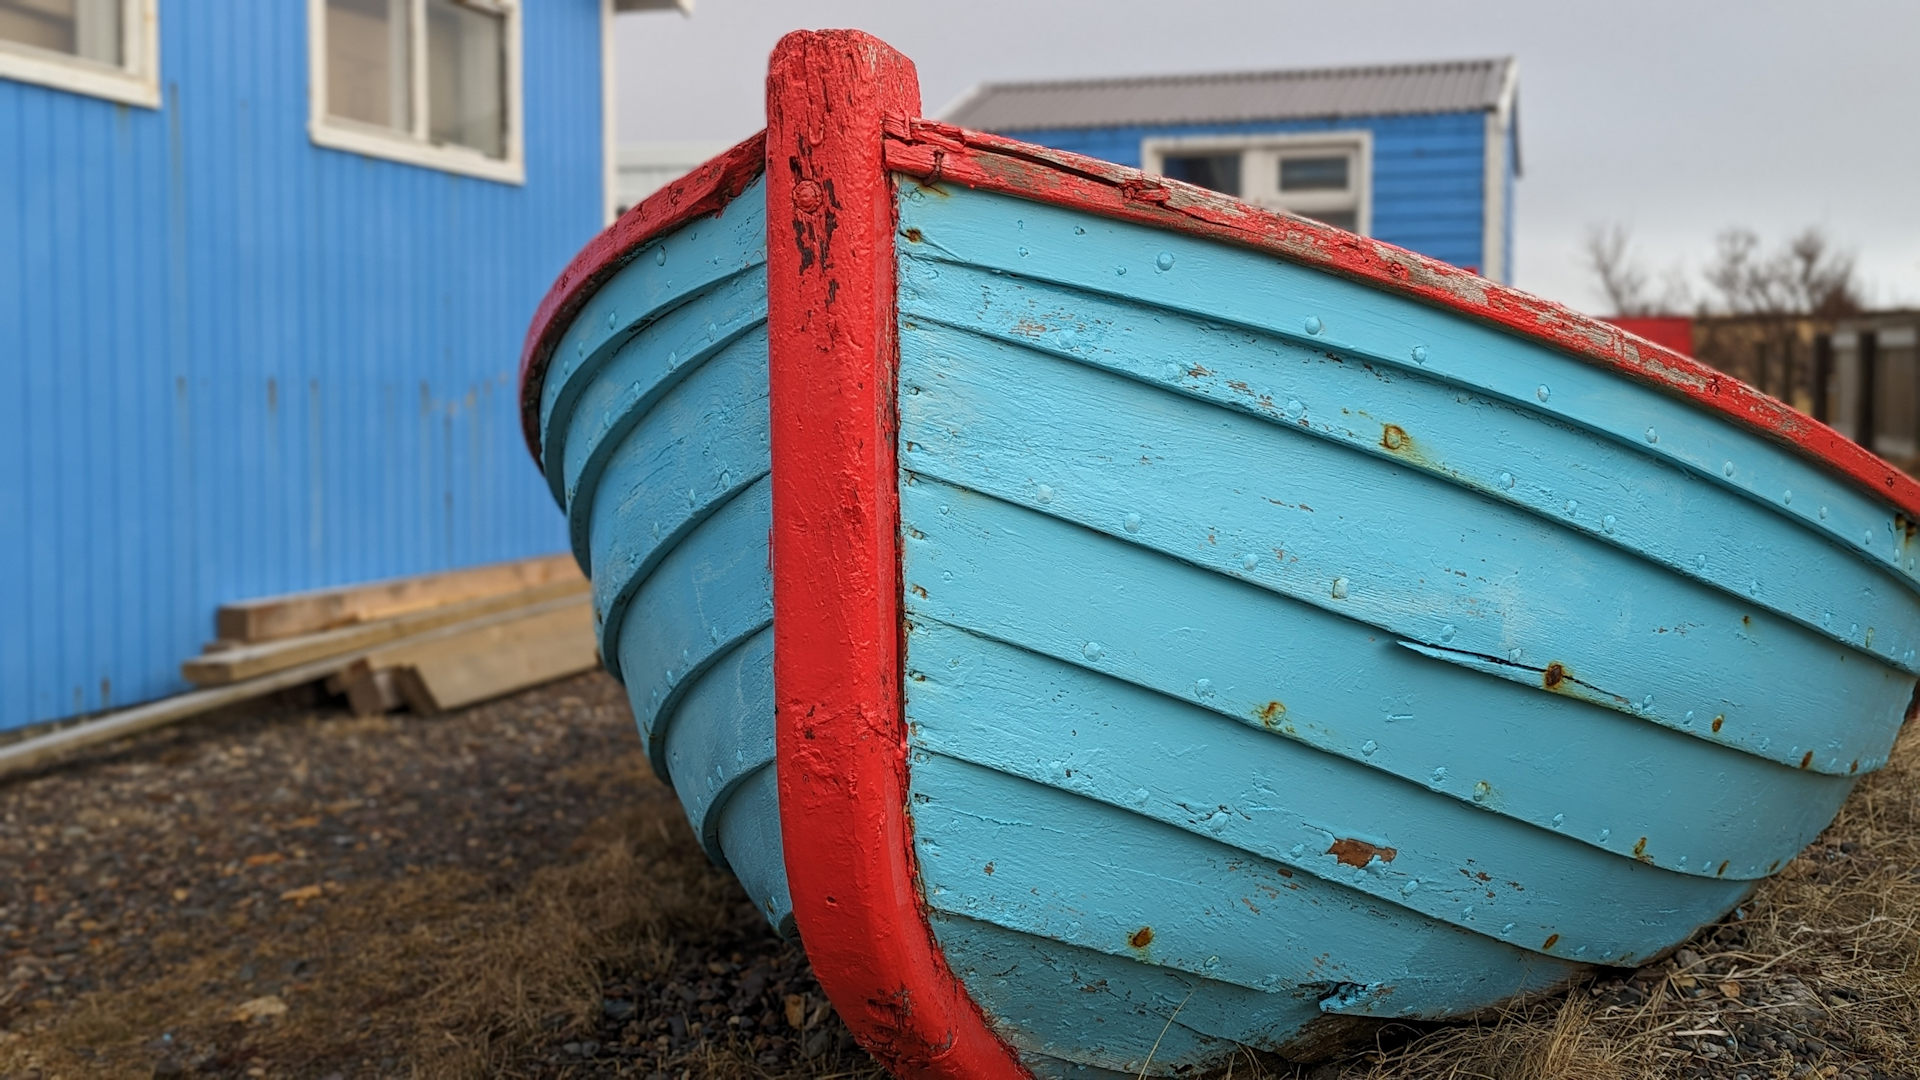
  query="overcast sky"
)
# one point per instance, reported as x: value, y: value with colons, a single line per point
x: 1678, y: 118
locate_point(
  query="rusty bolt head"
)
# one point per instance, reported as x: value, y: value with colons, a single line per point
x: 806, y: 196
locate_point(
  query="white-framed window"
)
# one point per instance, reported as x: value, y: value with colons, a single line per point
x: 1324, y: 176
x: 427, y: 82
x: 105, y: 48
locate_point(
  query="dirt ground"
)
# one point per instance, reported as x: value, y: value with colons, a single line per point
x: 507, y: 891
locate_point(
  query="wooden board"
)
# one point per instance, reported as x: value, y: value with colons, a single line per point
x: 369, y: 690
x: 273, y: 618
x: 499, y: 657
x: 232, y: 665
x: 45, y: 749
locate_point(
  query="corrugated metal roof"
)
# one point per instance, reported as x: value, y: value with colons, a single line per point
x: 1445, y: 86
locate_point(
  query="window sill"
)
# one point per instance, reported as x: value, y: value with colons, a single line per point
x: 373, y: 143
x: 51, y: 69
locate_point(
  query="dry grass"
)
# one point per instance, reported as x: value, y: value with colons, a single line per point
x: 639, y: 892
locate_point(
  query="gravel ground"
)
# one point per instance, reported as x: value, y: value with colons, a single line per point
x: 507, y: 891
x: 304, y: 893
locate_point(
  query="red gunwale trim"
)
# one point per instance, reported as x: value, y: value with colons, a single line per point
x: 840, y: 726
x: 705, y: 191
x: 939, y: 152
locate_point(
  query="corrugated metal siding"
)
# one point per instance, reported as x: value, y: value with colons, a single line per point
x: 239, y: 364
x: 1427, y: 193
x: 1230, y: 97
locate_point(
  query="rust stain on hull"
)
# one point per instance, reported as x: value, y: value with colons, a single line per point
x: 1359, y: 853
x: 1270, y: 715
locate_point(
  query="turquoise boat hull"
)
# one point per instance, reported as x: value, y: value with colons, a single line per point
x: 1278, y: 651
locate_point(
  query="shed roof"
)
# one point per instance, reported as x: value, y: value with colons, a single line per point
x: 1435, y: 87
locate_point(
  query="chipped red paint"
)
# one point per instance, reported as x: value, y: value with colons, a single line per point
x: 705, y: 191
x: 1667, y: 331
x: 937, y: 153
x: 840, y: 728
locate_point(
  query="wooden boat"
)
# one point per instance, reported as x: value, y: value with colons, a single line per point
x: 1186, y: 627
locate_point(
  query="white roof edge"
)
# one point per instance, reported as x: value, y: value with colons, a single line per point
x: 1367, y: 89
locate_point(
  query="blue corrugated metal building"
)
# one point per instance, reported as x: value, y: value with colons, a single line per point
x: 1419, y: 155
x: 264, y: 272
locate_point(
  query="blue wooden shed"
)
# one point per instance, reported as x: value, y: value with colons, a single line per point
x: 264, y: 270
x: 1419, y: 155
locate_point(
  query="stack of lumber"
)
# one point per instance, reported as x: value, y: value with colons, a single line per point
x: 431, y: 643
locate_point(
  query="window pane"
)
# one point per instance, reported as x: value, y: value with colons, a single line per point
x: 1339, y: 219
x: 1314, y: 173
x: 89, y: 29
x: 367, y: 67
x: 1221, y: 172
x: 467, y: 77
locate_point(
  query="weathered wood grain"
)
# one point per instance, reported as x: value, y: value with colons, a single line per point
x: 233, y: 665
x: 273, y: 618
x: 503, y: 655
x: 53, y: 746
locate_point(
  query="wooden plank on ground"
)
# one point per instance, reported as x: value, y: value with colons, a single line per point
x: 370, y: 690
x: 249, y: 661
x: 43, y: 749
x: 273, y: 618
x: 501, y: 657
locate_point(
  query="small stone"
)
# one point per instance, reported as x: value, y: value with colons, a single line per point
x: 259, y: 1008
